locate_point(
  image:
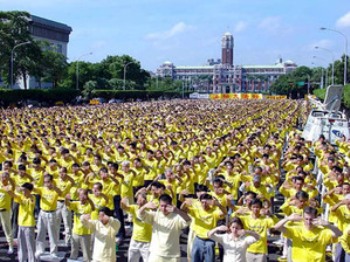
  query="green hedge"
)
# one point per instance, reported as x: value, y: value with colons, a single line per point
x: 9, y: 96
x: 321, y: 93
x: 134, y: 94
x: 66, y: 95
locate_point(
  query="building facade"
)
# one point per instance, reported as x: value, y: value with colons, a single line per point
x: 56, y: 34
x: 222, y: 76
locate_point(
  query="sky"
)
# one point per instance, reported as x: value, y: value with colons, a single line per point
x: 188, y: 32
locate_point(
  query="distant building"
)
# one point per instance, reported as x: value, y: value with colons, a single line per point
x: 57, y: 34
x: 222, y: 76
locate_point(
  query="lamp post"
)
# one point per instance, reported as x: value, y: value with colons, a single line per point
x: 77, y: 69
x: 125, y: 66
x: 345, y: 50
x: 12, y: 55
x: 331, y: 52
x: 322, y: 76
x: 326, y: 78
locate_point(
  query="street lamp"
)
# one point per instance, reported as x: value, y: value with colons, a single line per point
x: 331, y: 52
x: 77, y: 69
x: 345, y: 51
x: 12, y: 54
x: 125, y: 66
x: 321, y: 84
x: 326, y: 78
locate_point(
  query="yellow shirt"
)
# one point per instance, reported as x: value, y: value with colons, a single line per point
x: 48, y: 200
x: 345, y: 240
x: 26, y: 210
x: 259, y: 225
x: 37, y: 175
x: 19, y: 180
x: 141, y: 231
x: 99, y: 202
x: 343, y: 215
x: 5, y: 200
x: 64, y: 186
x: 80, y: 209
x: 126, y: 185
x: 109, y: 187
x: 139, y: 179
x: 309, y: 245
x: 204, y: 220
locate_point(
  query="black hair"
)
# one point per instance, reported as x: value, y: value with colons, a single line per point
x: 158, y: 185
x: 256, y: 201
x: 310, y: 211
x: 302, y: 195
x: 202, y: 188
x: 238, y: 221
x: 106, y: 210
x: 28, y: 186
x: 166, y: 198
x: 206, y: 197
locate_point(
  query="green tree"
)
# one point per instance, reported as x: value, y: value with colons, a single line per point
x: 14, y: 30
x: 54, y: 67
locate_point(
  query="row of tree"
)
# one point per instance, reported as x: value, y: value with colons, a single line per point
x: 305, y: 79
x: 40, y: 60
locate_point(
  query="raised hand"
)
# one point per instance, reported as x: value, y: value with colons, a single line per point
x: 151, y: 205
x: 223, y: 228
x: 295, y: 217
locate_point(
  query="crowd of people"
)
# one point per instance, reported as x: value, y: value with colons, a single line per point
x: 207, y: 170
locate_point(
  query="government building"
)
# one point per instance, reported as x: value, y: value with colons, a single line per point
x: 222, y: 76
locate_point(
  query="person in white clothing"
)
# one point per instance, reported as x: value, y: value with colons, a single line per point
x: 105, y: 229
x: 236, y: 241
x: 167, y: 222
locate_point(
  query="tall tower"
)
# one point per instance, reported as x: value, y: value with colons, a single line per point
x: 227, y: 49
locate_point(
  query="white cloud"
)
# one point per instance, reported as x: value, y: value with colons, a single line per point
x: 240, y: 26
x: 271, y: 23
x: 177, y: 29
x: 344, y: 21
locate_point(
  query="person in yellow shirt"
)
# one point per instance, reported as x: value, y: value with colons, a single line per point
x: 204, y: 218
x: 81, y: 235
x: 260, y: 224
x: 104, y: 229
x: 257, y: 187
x: 141, y: 233
x: 98, y: 199
x: 126, y: 189
x: 5, y: 208
x: 66, y: 160
x: 64, y: 183
x: 20, y: 178
x: 47, y: 220
x: 309, y: 238
x: 26, y: 222
x: 345, y: 243
x: 342, y: 213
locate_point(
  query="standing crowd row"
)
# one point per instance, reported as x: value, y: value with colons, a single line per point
x: 84, y: 175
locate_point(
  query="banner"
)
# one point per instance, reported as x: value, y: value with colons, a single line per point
x: 246, y: 96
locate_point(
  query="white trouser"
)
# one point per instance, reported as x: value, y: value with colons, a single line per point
x: 138, y: 249
x: 5, y: 217
x: 85, y: 242
x: 62, y: 213
x: 26, y: 244
x: 47, y: 224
